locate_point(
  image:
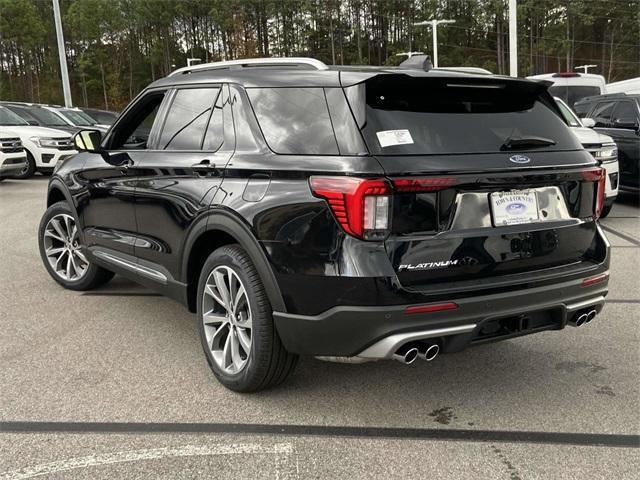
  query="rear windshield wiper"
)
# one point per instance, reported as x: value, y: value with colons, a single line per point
x: 524, y: 142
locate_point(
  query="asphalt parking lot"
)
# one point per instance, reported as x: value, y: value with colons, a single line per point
x: 113, y: 383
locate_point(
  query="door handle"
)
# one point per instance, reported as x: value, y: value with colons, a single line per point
x: 205, y: 167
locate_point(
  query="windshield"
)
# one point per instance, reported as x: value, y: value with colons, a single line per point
x: 8, y: 118
x: 77, y: 118
x: 46, y: 117
x: 448, y: 116
x: 568, y: 115
x: 570, y: 94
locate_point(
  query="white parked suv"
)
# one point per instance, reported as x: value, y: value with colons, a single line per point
x: 44, y: 147
x: 601, y: 146
x: 12, y: 155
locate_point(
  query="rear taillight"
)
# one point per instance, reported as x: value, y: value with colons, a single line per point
x: 596, y: 174
x: 361, y: 205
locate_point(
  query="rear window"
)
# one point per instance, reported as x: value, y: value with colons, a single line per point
x: 294, y: 120
x: 570, y: 94
x: 417, y: 116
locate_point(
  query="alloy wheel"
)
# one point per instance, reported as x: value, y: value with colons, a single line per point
x: 227, y: 319
x: 62, y: 248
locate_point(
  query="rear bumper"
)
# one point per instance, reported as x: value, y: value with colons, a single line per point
x: 376, y: 332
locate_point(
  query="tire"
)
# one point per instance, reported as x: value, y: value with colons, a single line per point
x: 606, y: 210
x: 50, y: 239
x: 29, y: 170
x: 266, y: 362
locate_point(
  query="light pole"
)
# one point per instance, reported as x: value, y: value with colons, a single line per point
x: 513, y: 38
x: 64, y: 73
x: 434, y: 26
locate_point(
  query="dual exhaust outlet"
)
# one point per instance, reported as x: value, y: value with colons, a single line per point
x: 410, y: 352
x: 583, y: 317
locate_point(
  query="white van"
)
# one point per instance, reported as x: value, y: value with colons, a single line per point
x: 625, y: 86
x: 573, y: 86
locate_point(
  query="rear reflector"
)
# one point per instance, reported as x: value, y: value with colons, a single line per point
x: 595, y: 279
x: 430, y: 308
x: 429, y: 184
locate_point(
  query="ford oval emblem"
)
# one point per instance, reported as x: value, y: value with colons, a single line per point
x: 516, y: 208
x: 519, y: 159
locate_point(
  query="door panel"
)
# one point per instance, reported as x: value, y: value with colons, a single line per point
x: 175, y: 187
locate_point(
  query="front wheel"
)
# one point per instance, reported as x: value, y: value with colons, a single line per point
x: 236, y: 327
x: 61, y: 251
x: 606, y: 210
x: 29, y: 169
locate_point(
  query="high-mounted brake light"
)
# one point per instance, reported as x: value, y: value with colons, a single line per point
x: 566, y: 74
x: 428, y: 184
x: 596, y: 174
x: 361, y: 205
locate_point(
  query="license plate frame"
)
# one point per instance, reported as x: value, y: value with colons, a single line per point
x: 515, y: 207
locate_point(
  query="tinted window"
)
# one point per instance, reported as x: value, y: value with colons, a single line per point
x: 7, y: 118
x: 451, y: 116
x: 572, y: 93
x: 625, y: 112
x: 294, y: 120
x: 46, y: 117
x: 187, y: 119
x: 215, y: 132
x: 76, y: 118
x: 602, y: 114
x: 568, y: 115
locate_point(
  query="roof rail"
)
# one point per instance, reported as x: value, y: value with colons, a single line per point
x: 271, y: 61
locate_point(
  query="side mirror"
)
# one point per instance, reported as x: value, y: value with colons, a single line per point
x: 625, y: 122
x: 87, y: 140
x: 588, y: 122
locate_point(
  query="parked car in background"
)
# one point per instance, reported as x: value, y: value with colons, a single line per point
x: 603, y: 149
x: 631, y: 85
x: 353, y: 214
x: 13, y: 158
x: 76, y: 117
x: 36, y: 114
x: 618, y: 115
x: 103, y: 118
x: 573, y: 86
x: 44, y: 147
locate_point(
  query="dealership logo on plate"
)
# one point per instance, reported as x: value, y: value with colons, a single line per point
x: 519, y: 159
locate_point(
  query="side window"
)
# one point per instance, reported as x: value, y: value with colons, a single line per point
x: 187, y: 119
x: 602, y: 114
x: 294, y: 120
x: 133, y: 130
x: 625, y: 113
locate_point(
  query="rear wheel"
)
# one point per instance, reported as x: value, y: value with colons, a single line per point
x: 61, y: 251
x: 236, y: 327
x: 29, y: 169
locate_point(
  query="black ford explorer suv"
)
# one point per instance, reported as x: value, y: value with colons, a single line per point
x: 352, y: 214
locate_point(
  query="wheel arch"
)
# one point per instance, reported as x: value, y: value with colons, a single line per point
x: 216, y: 230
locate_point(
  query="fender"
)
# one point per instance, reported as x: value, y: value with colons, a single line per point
x: 57, y: 184
x: 233, y: 225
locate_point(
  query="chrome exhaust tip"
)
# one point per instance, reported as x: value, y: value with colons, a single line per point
x: 578, y: 320
x: 591, y: 315
x: 431, y: 352
x: 407, y: 356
